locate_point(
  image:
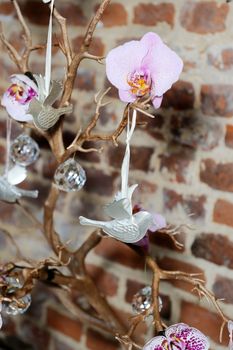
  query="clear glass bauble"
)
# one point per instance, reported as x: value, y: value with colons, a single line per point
x: 142, y: 300
x: 15, y: 308
x: 70, y: 176
x: 24, y: 150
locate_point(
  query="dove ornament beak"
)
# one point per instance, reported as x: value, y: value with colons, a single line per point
x: 124, y: 226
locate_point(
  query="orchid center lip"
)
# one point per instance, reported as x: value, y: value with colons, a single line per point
x: 140, y: 83
x: 20, y: 93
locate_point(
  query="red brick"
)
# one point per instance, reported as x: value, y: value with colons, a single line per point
x: 142, y: 162
x: 217, y: 100
x: 222, y: 288
x: 193, y: 205
x: 85, y: 80
x: 204, y: 17
x: 92, y: 157
x: 125, y: 318
x: 217, y: 175
x: 227, y: 58
x: 151, y: 14
x: 181, y: 96
x: 99, y: 182
x: 105, y: 281
x: 176, y: 161
x: 163, y: 240
x: 114, y: 15
x: 207, y: 322
x: 96, y: 48
x: 153, y: 126
x: 63, y: 324
x: 229, y: 136
x: 73, y: 13
x: 97, y: 341
x: 2, y: 154
x: 118, y: 252
x: 29, y: 331
x: 222, y: 61
x: 28, y: 10
x: 6, y: 8
x: 223, y: 212
x: 195, y: 132
x: 170, y: 264
x: 49, y: 166
x: 215, y: 248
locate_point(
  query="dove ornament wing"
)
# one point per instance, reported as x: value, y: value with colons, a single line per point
x: 119, y: 209
x: 130, y: 230
x: 55, y: 92
x: 35, y: 107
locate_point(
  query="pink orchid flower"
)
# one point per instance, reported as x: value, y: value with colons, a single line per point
x: 18, y: 96
x: 179, y: 337
x: 143, y: 67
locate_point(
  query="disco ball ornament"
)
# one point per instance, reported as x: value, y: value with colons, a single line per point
x: 13, y: 283
x: 24, y: 150
x: 70, y: 176
x: 14, y: 308
x: 142, y: 300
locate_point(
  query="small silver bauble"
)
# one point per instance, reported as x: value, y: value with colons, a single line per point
x: 13, y: 283
x: 70, y: 176
x: 24, y: 150
x: 14, y: 308
x: 142, y: 300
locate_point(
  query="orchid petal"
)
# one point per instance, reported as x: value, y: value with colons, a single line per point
x: 163, y: 63
x: 16, y: 110
x: 159, y: 222
x: 157, y: 100
x: 122, y: 61
x: 156, y: 343
x: 183, y: 334
x: 126, y: 96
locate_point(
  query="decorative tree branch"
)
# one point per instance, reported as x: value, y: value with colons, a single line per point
x: 77, y: 278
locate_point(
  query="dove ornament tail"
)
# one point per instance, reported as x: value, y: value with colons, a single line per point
x: 31, y: 194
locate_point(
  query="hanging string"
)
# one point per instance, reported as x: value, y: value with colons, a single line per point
x: 8, y: 145
x: 48, y: 59
x: 126, y: 160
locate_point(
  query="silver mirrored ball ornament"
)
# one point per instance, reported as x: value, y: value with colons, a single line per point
x: 24, y: 150
x: 70, y: 176
x: 142, y: 300
x: 15, y: 308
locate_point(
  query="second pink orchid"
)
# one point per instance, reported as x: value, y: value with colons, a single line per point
x: 139, y: 68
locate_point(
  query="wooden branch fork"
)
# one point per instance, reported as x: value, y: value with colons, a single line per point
x: 104, y: 317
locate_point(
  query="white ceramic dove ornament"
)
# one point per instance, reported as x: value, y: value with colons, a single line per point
x: 45, y: 116
x: 125, y: 226
x: 8, y: 191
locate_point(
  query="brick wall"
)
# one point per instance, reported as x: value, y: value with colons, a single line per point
x: 183, y: 162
